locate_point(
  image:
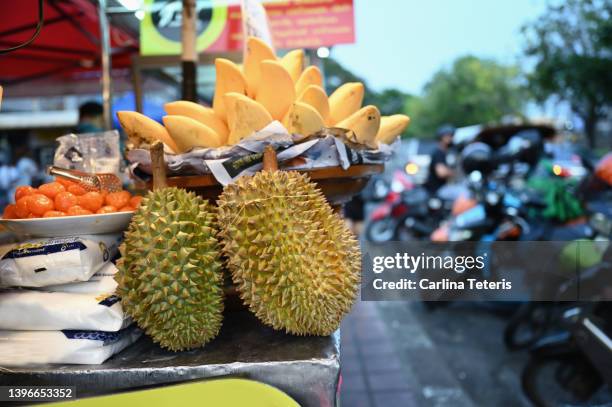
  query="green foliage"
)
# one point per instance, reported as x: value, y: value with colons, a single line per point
x: 472, y: 91
x: 571, y: 44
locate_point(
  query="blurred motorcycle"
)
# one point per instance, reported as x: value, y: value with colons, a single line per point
x: 569, y: 366
x: 533, y: 320
x: 384, y: 219
x: 409, y: 212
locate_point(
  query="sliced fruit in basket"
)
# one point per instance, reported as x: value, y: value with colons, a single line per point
x: 143, y: 131
x: 245, y: 116
x: 303, y: 119
x: 364, y: 123
x: 391, y: 127
x: 229, y: 79
x: 269, y: 87
x: 189, y: 133
x: 345, y: 101
x: 293, y: 61
x: 202, y: 114
x: 276, y: 91
x: 315, y: 96
x: 310, y: 76
x: 256, y: 51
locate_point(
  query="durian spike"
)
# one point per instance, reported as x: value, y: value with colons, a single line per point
x: 270, y: 163
x: 158, y: 166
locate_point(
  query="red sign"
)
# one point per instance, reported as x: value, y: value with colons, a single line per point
x: 295, y: 24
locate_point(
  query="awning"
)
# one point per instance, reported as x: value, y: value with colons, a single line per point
x: 68, y: 44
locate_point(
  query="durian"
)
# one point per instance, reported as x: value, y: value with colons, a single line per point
x: 170, y: 278
x: 292, y: 258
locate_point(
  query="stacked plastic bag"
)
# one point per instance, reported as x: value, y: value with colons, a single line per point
x: 58, y: 302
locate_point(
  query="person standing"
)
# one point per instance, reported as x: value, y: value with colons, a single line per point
x: 439, y: 170
x: 91, y: 119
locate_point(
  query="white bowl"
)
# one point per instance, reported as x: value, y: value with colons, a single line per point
x: 69, y: 225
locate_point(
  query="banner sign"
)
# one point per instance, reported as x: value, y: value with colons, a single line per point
x: 294, y: 24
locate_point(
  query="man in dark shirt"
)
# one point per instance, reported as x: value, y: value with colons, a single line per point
x: 90, y: 118
x: 439, y: 171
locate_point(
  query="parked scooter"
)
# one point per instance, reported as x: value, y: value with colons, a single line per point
x: 571, y: 342
x: 575, y: 361
x: 533, y: 320
x: 497, y: 211
x: 385, y: 218
x: 410, y: 214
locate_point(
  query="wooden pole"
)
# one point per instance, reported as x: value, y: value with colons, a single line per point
x: 105, y: 50
x: 270, y: 163
x: 189, y: 55
x: 158, y: 166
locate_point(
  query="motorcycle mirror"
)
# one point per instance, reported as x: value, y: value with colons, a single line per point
x: 492, y: 198
x: 475, y: 177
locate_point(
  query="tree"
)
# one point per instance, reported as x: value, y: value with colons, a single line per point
x: 571, y: 44
x: 472, y: 91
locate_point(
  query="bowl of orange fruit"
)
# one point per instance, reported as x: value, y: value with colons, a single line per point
x: 64, y: 208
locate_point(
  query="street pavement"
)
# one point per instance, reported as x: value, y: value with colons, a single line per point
x: 401, y: 354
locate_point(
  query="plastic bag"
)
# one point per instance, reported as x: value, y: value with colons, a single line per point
x: 103, y: 282
x: 23, y: 348
x: 89, y: 152
x: 47, y: 261
x: 33, y: 310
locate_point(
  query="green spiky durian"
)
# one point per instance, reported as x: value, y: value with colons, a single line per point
x: 294, y: 262
x: 170, y: 278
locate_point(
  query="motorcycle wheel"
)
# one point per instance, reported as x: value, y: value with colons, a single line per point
x: 554, y: 380
x: 380, y: 231
x: 527, y: 326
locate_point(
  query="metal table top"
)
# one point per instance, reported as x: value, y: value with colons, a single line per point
x: 306, y: 368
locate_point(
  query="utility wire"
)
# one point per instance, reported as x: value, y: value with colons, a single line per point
x: 39, y: 26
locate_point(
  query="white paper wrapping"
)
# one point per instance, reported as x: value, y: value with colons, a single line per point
x: 326, y: 151
x: 26, y: 348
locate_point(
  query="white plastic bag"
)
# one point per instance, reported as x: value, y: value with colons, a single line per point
x: 47, y: 261
x: 89, y: 152
x: 23, y: 348
x: 32, y: 310
x: 103, y: 282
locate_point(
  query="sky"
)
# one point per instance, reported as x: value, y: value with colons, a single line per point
x: 402, y: 43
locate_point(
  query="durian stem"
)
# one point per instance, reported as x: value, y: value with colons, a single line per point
x: 158, y: 166
x: 270, y: 163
